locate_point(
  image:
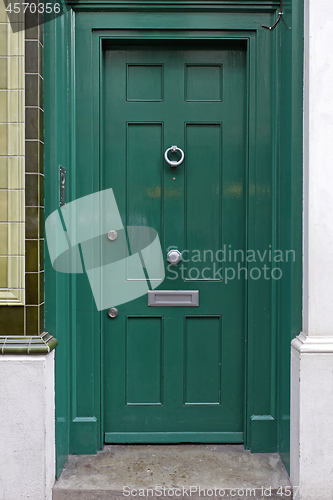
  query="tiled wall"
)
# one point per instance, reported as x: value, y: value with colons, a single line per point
x: 11, y: 161
x: 28, y: 318
x: 34, y: 176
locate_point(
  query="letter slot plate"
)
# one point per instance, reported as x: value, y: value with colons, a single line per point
x: 173, y: 298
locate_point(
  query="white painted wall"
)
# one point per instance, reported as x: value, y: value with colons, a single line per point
x: 27, y: 444
x: 311, y: 440
x: 312, y: 352
x: 318, y: 169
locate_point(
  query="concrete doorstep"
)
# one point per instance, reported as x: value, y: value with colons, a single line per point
x: 193, y: 471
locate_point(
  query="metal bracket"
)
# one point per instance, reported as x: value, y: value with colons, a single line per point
x: 62, y: 186
x: 276, y: 22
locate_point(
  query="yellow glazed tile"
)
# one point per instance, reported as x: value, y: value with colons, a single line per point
x: 19, y: 129
x: 13, y: 161
x: 3, y: 272
x: 3, y: 206
x: 21, y: 137
x: 4, y: 296
x: 3, y: 172
x: 13, y: 139
x: 3, y: 139
x: 3, y: 39
x: 21, y: 99
x: 14, y: 44
x: 21, y: 35
x: 21, y: 201
x: 21, y: 239
x: 3, y: 160
x: 15, y: 172
x: 21, y: 104
x: 3, y: 106
x: 22, y: 270
x: 14, y: 272
x: 14, y: 235
x: 13, y: 106
x: 3, y: 239
x: 3, y: 72
x: 13, y: 72
x: 20, y: 296
x: 3, y: 13
x: 21, y: 171
x: 21, y: 72
x: 14, y: 204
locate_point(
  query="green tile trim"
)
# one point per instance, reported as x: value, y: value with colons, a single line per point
x: 22, y: 344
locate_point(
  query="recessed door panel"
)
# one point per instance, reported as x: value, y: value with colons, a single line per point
x: 202, y: 360
x: 203, y: 195
x: 145, y: 82
x: 144, y: 361
x: 203, y: 82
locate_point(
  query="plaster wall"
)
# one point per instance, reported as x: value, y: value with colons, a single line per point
x: 312, y: 351
x: 312, y: 424
x: 27, y: 452
x: 318, y: 171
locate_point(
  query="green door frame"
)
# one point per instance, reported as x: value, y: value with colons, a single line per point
x: 73, y: 49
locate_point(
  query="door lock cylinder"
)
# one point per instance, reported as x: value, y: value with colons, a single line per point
x: 174, y: 257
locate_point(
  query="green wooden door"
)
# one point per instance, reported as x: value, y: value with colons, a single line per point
x: 176, y: 374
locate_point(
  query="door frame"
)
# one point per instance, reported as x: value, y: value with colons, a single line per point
x: 264, y: 422
x: 73, y: 43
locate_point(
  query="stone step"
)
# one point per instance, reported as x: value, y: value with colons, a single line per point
x: 192, y: 471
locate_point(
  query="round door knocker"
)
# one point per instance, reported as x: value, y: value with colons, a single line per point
x: 174, y: 149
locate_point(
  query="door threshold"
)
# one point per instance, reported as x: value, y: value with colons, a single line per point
x: 174, y: 437
x: 173, y: 470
